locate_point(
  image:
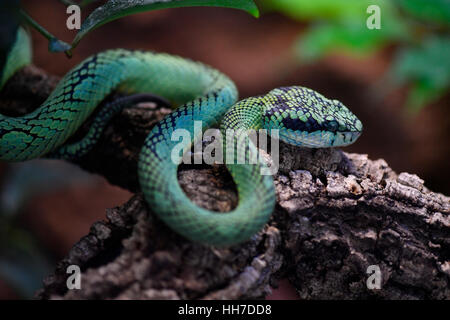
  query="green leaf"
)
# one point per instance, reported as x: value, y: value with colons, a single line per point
x: 56, y: 45
x: 437, y: 11
x: 351, y: 37
x: 341, y: 26
x: 115, y: 9
x: 323, y: 39
x: 329, y: 10
x: 426, y: 68
x: 420, y: 95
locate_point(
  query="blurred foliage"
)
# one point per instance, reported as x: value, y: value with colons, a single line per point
x: 418, y: 28
x: 434, y: 11
x: 23, y: 262
x: 427, y: 67
x: 23, y: 181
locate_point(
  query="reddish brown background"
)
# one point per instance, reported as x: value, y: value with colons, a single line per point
x: 256, y: 54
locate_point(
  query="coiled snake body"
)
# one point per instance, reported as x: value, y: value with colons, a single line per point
x: 302, y: 116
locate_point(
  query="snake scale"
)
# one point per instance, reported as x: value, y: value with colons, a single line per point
x: 302, y: 116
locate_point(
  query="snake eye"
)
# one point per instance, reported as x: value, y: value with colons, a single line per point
x: 332, y: 125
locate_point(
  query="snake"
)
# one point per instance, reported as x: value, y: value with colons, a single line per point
x: 197, y: 92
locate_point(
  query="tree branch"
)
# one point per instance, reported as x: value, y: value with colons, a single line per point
x: 336, y: 214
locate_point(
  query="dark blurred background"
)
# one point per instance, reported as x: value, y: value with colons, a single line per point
x: 46, y: 206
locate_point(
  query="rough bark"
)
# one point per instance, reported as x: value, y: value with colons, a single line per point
x: 336, y: 214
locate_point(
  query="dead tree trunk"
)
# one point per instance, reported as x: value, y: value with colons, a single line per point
x: 336, y: 215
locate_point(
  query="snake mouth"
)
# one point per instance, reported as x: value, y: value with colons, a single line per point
x: 345, y: 138
x: 319, y: 138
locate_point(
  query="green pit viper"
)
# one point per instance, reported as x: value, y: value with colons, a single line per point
x: 302, y: 116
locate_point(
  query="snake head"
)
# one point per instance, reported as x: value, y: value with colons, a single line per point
x: 306, y: 118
